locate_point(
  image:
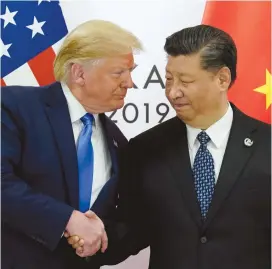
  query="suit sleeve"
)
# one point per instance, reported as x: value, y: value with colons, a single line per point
x: 27, y: 211
x: 129, y: 234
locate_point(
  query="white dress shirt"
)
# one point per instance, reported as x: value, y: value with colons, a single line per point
x: 102, y: 158
x: 219, y: 135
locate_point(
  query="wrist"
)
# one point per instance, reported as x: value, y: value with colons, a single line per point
x: 70, y: 222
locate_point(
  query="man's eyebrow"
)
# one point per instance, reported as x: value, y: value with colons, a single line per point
x: 178, y: 73
x: 132, y: 68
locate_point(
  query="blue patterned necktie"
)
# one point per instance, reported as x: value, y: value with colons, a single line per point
x: 85, y: 163
x: 204, y: 175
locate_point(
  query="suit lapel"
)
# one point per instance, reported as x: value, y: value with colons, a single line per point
x: 235, y: 159
x: 59, y: 118
x: 111, y: 141
x: 107, y: 195
x: 179, y: 161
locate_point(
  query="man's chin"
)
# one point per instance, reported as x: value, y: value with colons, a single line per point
x: 185, y: 116
x: 119, y: 104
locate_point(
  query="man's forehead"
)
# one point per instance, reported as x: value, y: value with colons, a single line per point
x: 126, y: 60
x: 182, y: 63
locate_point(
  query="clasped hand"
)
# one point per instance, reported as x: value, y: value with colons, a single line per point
x: 86, y: 233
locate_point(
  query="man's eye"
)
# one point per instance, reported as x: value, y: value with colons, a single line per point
x: 117, y: 73
x: 186, y: 82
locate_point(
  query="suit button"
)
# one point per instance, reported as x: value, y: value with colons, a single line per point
x: 203, y: 239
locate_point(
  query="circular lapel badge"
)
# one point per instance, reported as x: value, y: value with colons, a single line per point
x: 248, y: 142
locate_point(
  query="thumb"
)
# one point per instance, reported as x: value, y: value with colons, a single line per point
x: 90, y: 214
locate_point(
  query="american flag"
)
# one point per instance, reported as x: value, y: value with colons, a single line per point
x: 29, y: 31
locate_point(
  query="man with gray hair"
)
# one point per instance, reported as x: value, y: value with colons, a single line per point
x: 60, y: 151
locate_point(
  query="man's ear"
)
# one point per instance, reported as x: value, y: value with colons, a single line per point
x: 224, y: 78
x: 77, y: 73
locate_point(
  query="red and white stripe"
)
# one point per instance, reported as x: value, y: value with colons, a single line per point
x: 36, y: 72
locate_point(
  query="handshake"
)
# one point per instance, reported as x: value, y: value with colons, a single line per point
x: 86, y: 233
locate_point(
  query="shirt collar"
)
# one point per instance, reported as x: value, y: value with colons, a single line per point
x: 217, y: 132
x: 76, y: 110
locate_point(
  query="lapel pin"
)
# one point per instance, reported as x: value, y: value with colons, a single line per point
x: 248, y: 142
x: 115, y: 143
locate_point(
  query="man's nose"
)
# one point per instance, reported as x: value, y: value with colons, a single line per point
x: 128, y: 83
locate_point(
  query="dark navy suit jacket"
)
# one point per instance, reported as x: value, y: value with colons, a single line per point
x: 40, y: 178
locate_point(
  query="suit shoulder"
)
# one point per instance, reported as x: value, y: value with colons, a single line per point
x: 264, y: 126
x: 19, y: 90
x: 261, y: 129
x: 264, y: 131
x: 261, y: 126
x: 24, y: 94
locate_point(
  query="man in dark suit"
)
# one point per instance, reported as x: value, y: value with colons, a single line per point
x: 60, y: 151
x: 197, y: 188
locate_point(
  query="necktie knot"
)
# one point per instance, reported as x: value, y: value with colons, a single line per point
x: 203, y: 138
x: 87, y: 119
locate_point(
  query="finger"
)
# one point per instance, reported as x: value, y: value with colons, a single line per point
x: 104, y: 242
x: 73, y: 239
x: 80, y: 243
x: 80, y: 253
x: 66, y: 234
x: 84, y: 253
x: 89, y: 250
x: 79, y: 250
x: 76, y: 245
